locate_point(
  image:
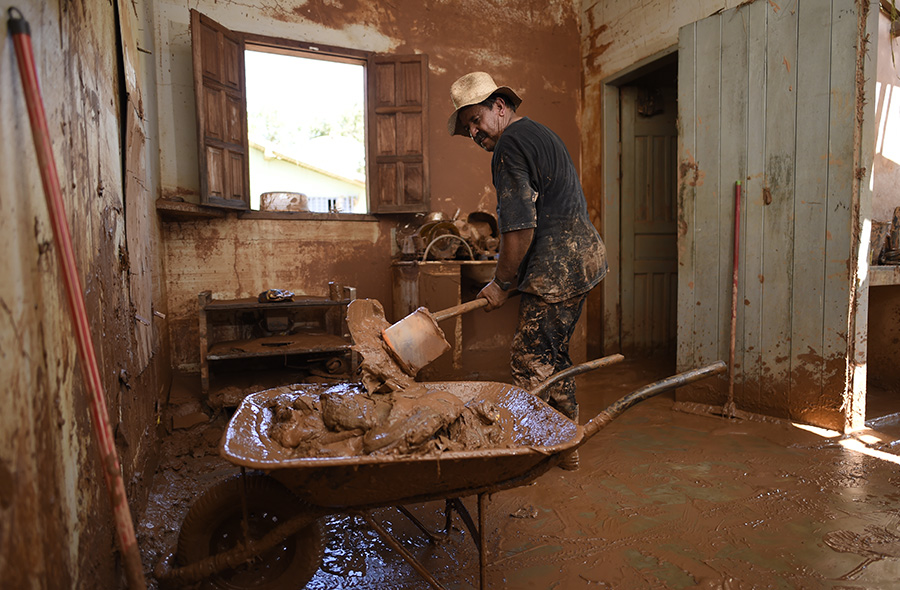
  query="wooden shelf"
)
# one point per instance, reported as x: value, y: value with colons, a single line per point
x: 251, y: 303
x: 277, y: 346
x: 316, y: 326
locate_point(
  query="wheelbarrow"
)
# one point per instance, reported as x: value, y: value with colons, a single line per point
x: 274, y: 518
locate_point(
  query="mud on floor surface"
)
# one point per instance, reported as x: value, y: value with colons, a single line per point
x: 664, y: 499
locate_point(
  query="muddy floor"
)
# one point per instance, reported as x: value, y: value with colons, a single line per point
x: 664, y: 499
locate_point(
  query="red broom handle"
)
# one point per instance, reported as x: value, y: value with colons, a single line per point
x: 734, y: 289
x: 21, y: 35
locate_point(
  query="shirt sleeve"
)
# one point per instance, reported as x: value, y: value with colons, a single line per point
x: 516, y: 193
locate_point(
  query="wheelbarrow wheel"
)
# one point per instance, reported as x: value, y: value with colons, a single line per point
x: 214, y: 525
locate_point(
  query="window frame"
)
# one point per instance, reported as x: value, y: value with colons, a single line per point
x: 396, y: 115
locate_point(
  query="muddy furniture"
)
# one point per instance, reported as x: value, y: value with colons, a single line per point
x: 263, y: 338
x: 284, y: 546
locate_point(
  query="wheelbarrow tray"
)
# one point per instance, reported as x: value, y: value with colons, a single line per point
x: 537, y: 431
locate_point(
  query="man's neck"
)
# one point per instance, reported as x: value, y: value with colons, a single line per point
x: 513, y: 117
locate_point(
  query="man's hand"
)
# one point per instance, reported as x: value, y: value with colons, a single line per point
x: 513, y: 247
x: 494, y: 294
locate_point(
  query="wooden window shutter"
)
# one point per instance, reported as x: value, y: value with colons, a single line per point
x: 398, y: 146
x: 221, y: 101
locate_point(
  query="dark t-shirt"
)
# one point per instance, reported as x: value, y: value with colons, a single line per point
x: 538, y: 187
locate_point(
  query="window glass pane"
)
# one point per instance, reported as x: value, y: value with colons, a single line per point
x: 306, y: 126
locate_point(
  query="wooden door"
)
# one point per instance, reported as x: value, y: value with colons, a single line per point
x: 649, y: 275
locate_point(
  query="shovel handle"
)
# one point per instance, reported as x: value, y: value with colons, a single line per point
x: 464, y: 307
x: 459, y: 309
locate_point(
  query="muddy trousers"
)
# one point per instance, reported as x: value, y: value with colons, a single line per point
x: 541, y: 348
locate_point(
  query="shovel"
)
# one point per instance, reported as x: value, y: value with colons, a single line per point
x: 416, y: 340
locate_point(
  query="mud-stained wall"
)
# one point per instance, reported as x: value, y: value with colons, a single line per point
x: 265, y: 254
x: 797, y: 347
x: 616, y: 35
x: 532, y: 46
x: 56, y: 527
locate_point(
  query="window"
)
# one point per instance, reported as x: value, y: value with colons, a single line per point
x: 392, y: 171
x: 306, y: 148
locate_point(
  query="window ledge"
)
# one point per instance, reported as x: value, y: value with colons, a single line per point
x: 171, y: 210
x: 306, y: 216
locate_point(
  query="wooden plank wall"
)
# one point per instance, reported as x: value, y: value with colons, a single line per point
x: 56, y: 526
x: 767, y: 96
x: 140, y: 214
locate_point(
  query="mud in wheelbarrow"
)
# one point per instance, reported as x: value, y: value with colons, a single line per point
x: 539, y: 437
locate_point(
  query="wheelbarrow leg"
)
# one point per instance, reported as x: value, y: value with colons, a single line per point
x: 457, y: 504
x: 388, y: 538
x: 477, y: 532
x: 432, y: 537
x: 448, y: 515
x: 482, y: 549
x: 245, y: 511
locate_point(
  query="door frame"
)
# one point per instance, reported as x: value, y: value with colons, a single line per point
x: 610, y: 202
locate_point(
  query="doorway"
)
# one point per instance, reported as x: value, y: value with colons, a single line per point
x: 640, y: 225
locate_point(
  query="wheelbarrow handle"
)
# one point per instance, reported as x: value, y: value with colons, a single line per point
x: 578, y: 370
x: 648, y: 391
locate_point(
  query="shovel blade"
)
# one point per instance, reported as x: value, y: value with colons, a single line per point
x: 415, y: 341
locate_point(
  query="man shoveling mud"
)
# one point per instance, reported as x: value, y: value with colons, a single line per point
x: 549, y: 250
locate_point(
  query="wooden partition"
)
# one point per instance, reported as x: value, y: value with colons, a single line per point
x: 775, y: 97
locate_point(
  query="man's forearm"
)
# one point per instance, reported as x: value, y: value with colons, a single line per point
x: 513, y: 247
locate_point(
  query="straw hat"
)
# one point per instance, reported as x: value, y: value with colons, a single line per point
x: 472, y: 89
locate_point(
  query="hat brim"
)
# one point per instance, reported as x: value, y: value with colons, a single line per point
x: 453, y: 125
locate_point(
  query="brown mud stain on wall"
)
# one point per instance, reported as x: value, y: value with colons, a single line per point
x: 689, y: 172
x: 341, y: 13
x: 598, y: 51
x: 593, y: 30
x: 592, y: 49
x: 236, y: 258
x: 801, y: 394
x: 179, y: 193
x: 811, y: 402
x: 689, y: 177
x: 57, y: 507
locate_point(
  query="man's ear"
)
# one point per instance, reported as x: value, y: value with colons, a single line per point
x: 501, y: 105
